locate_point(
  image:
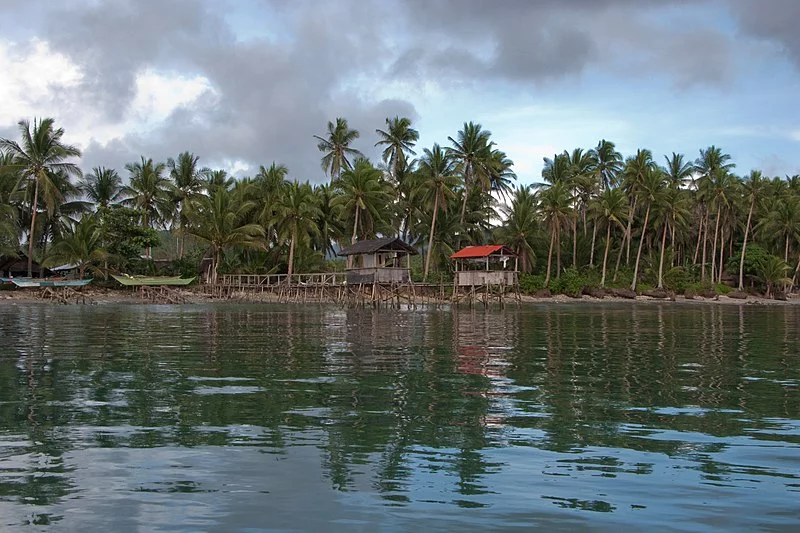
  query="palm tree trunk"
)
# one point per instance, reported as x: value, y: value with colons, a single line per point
x: 558, y: 251
x: 430, y: 239
x: 714, y: 247
x: 699, y: 240
x: 575, y: 242
x: 217, y: 260
x: 705, y: 241
x: 672, y: 243
x: 619, y: 256
x: 628, y: 234
x: 639, y: 253
x: 464, y: 201
x: 35, y: 207
x: 353, y: 238
x: 550, y: 257
x: 786, y: 250
x: 744, y: 246
x: 594, y: 241
x: 721, y: 253
x: 661, y: 261
x: 289, y: 271
x: 794, y: 276
x: 605, y: 255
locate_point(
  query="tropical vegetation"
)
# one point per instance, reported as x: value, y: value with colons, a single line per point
x: 596, y: 217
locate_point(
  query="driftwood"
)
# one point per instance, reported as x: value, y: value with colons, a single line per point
x: 738, y: 295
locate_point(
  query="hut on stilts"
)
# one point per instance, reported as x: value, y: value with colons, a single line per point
x: 379, y: 272
x: 485, y: 274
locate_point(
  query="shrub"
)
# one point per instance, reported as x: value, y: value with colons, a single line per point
x: 721, y: 288
x: 572, y: 282
x: 677, y: 279
x: 530, y: 283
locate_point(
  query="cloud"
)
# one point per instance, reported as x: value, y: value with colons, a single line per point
x: 248, y: 82
x: 774, y: 21
x: 34, y: 77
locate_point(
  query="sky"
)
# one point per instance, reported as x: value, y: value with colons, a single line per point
x: 243, y: 83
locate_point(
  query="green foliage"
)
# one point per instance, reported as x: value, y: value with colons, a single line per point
x: 721, y: 288
x: 572, y: 282
x: 122, y: 235
x: 530, y: 283
x: 677, y: 279
x: 755, y: 256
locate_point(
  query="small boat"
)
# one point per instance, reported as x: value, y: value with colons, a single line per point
x: 28, y: 283
x: 137, y: 281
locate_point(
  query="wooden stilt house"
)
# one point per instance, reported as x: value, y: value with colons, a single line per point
x: 381, y: 261
x: 491, y: 265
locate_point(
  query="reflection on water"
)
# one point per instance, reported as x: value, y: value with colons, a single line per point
x: 287, y: 418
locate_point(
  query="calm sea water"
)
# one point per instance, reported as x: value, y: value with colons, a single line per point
x: 287, y: 418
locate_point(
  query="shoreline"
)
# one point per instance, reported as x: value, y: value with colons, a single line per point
x: 192, y: 296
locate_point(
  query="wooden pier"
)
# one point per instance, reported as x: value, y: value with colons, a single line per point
x: 327, y: 287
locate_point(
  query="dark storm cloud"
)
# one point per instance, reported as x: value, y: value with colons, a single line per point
x: 315, y: 61
x: 268, y: 98
x: 775, y: 21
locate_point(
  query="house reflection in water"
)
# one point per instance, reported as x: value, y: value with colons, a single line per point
x: 483, y: 343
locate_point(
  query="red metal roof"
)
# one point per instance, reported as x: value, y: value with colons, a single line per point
x: 481, y: 251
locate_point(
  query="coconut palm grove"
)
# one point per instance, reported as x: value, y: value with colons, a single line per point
x: 598, y: 218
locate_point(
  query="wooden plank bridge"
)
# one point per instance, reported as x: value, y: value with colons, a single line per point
x: 333, y: 287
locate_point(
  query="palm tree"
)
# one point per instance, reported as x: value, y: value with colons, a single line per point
x: 473, y: 150
x: 609, y: 209
x: 520, y: 226
x: 406, y: 195
x: 148, y: 192
x: 650, y: 191
x: 186, y: 185
x: 636, y: 171
x: 439, y: 180
x: 772, y: 270
x: 501, y: 174
x: 398, y: 140
x: 608, y: 163
x: 82, y: 246
x: 64, y: 213
x: 336, y: 147
x: 219, y: 220
x: 297, y: 213
x: 583, y: 177
x: 363, y: 194
x: 754, y: 187
x: 678, y: 171
x: 103, y: 186
x: 554, y: 204
x: 41, y: 155
x: 328, y: 220
x: 216, y: 179
x: 713, y: 168
x: 783, y: 222
x: 673, y: 211
x: 266, y: 191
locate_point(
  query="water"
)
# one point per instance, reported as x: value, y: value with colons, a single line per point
x: 284, y: 418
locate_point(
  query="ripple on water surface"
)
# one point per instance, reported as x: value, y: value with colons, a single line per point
x: 269, y: 417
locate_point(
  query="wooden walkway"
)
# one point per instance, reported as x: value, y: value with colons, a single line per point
x: 327, y: 287
x: 333, y: 287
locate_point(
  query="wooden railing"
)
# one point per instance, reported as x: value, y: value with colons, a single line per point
x: 326, y: 279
